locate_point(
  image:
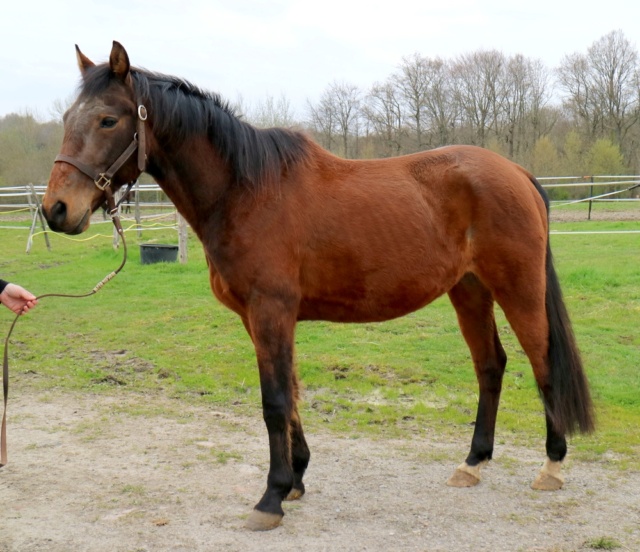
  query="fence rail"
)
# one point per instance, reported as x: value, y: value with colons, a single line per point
x: 621, y: 184
x: 26, y: 199
x: 142, y: 197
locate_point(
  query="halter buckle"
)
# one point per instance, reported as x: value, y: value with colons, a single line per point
x: 102, y: 181
x: 142, y: 112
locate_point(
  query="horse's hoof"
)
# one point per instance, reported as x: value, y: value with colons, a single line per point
x: 465, y: 476
x: 546, y: 482
x: 549, y: 478
x: 263, y: 521
x: 295, y: 494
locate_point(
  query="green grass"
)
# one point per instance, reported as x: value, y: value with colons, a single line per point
x: 157, y: 328
x: 602, y: 543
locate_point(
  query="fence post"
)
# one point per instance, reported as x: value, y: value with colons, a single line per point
x: 116, y: 235
x: 137, y: 211
x: 590, y: 195
x: 182, y: 238
x: 37, y: 214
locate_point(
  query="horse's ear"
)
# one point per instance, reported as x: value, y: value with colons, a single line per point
x: 83, y: 61
x: 119, y: 61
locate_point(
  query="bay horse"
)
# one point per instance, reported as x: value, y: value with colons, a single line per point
x: 292, y: 232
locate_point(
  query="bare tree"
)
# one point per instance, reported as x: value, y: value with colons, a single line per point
x: 615, y: 65
x: 413, y: 82
x: 59, y: 107
x: 383, y: 110
x: 575, y: 79
x: 542, y: 119
x: 441, y: 110
x: 272, y: 112
x: 601, y: 87
x: 526, y: 95
x: 338, y: 116
x: 479, y: 91
x: 322, y: 120
x: 348, y: 110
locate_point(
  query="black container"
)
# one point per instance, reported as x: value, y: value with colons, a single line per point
x: 151, y: 253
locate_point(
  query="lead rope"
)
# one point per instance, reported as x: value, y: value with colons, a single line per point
x: 113, y: 209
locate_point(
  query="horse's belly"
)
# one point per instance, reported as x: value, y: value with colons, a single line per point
x: 369, y: 303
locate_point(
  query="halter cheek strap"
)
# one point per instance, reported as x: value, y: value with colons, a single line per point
x: 103, y: 179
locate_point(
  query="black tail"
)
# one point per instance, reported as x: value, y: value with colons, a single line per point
x: 569, y: 405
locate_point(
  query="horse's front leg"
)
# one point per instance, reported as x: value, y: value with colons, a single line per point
x: 271, y: 325
x: 299, y: 450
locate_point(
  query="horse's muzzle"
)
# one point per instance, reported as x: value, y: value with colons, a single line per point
x: 57, y: 219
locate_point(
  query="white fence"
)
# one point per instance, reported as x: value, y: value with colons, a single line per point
x: 21, y: 202
x: 17, y: 203
x: 592, y: 186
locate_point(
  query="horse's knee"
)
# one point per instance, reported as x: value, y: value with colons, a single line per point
x: 276, y: 412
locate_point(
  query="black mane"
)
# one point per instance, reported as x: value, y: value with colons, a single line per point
x: 179, y: 110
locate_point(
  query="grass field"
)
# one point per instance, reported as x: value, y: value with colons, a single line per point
x: 157, y: 328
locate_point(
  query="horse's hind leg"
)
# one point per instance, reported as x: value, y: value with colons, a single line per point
x: 523, y: 303
x: 529, y: 322
x: 474, y: 306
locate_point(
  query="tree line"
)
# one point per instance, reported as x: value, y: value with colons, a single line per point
x: 582, y: 117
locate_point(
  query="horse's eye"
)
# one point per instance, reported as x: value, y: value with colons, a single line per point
x: 108, y: 122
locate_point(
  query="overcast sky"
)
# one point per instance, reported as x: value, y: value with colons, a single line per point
x: 253, y: 48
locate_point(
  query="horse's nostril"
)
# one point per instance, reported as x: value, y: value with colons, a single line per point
x: 56, y: 215
x: 59, y: 210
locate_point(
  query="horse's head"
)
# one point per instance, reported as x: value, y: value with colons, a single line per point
x: 100, y: 136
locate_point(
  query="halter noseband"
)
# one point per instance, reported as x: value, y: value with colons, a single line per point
x: 102, y: 180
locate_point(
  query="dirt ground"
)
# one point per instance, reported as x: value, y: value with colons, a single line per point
x: 126, y: 473
x: 148, y: 473
x: 599, y: 213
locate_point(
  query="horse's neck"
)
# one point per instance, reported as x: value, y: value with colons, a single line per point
x: 194, y: 177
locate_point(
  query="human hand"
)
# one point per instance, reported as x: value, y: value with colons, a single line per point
x: 18, y: 299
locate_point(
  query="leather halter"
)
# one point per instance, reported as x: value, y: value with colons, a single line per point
x: 103, y: 179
